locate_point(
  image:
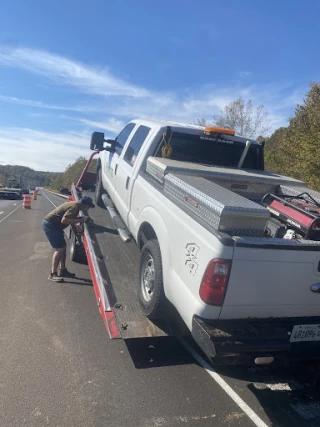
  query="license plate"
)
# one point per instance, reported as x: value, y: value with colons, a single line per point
x: 305, y: 333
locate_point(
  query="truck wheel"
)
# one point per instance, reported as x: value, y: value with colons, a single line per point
x: 150, y: 291
x: 99, y: 189
x: 77, y: 253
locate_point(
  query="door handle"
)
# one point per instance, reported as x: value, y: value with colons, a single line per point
x: 127, y: 182
x: 115, y: 169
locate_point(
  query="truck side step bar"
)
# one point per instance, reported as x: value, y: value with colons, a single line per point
x: 119, y: 225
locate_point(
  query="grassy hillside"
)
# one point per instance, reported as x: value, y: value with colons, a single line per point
x: 72, y: 174
x: 36, y: 178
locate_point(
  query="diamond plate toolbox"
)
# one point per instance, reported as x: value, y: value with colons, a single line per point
x: 249, y: 184
x: 220, y: 209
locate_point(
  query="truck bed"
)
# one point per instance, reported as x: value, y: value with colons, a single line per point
x: 119, y: 265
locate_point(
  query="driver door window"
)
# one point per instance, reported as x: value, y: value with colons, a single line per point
x: 125, y: 174
x: 111, y: 159
x: 135, y: 144
x: 121, y: 139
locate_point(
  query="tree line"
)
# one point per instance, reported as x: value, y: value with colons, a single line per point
x: 295, y: 150
x: 72, y: 173
x: 35, y: 178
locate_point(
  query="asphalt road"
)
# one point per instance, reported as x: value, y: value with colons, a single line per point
x: 59, y: 368
x: 6, y: 207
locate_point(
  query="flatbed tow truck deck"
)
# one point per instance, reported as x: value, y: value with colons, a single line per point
x: 114, y: 268
x: 119, y: 263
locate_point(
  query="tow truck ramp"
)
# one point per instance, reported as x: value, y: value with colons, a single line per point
x: 114, y: 268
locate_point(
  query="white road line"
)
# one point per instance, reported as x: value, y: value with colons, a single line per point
x: 230, y: 392
x: 49, y: 199
x: 1, y: 213
x: 10, y: 213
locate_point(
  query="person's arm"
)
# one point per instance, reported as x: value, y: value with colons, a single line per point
x: 70, y: 221
x: 70, y: 216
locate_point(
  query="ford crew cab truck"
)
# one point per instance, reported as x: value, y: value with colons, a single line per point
x: 233, y: 248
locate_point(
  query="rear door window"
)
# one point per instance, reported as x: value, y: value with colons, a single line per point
x: 212, y: 151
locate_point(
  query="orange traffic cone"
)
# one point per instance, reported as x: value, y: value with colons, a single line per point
x: 35, y: 194
x: 26, y: 204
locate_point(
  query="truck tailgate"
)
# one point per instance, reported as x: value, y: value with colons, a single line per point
x: 272, y: 282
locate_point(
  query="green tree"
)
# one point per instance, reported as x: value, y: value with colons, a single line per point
x: 275, y: 158
x: 295, y: 150
x: 36, y: 178
x: 72, y: 173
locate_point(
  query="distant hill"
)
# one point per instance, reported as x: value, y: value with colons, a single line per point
x: 72, y: 173
x: 36, y: 178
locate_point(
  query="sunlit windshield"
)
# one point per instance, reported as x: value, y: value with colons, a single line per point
x: 212, y: 152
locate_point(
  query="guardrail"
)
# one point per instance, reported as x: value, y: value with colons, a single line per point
x: 57, y: 194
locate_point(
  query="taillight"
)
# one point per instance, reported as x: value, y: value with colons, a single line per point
x: 214, y: 282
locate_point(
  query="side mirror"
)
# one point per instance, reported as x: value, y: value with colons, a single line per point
x: 110, y: 145
x: 97, y: 140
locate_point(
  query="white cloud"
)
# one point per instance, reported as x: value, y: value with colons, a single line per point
x: 65, y: 71
x: 112, y: 125
x: 245, y: 74
x: 118, y: 102
x: 53, y: 151
x: 46, y: 151
x: 40, y: 104
x: 204, y: 103
x: 129, y: 101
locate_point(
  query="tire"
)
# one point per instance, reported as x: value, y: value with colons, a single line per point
x: 77, y: 253
x: 99, y: 189
x: 150, y: 287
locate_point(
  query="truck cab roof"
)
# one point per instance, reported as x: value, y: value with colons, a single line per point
x: 189, y: 128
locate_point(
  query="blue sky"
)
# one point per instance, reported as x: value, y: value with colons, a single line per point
x: 69, y: 67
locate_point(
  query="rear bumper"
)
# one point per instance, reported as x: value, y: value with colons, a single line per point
x: 253, y: 337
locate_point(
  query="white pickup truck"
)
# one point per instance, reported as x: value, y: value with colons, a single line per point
x: 235, y: 249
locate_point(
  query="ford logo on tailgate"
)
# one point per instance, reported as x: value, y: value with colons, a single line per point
x: 315, y: 288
